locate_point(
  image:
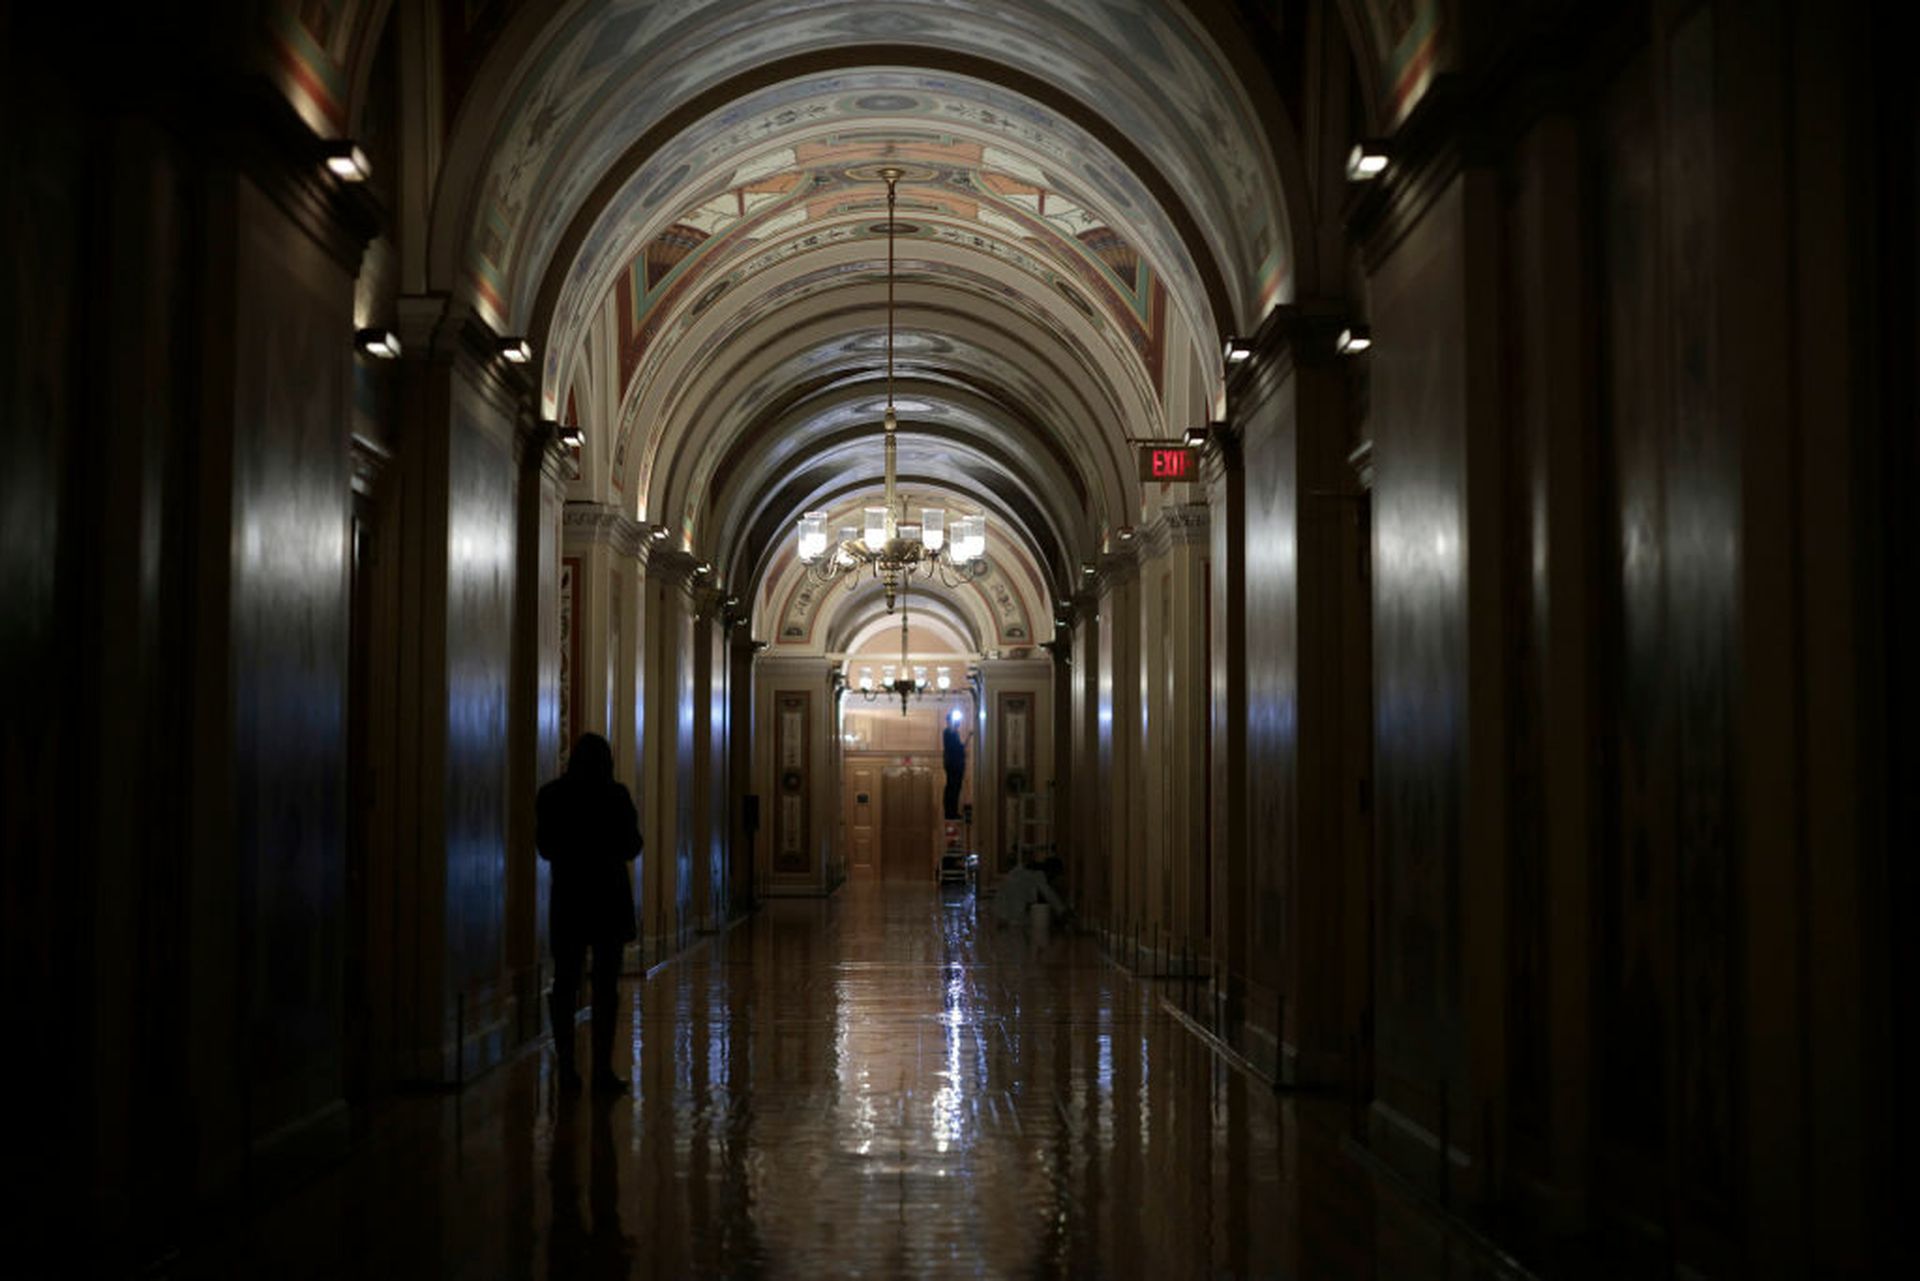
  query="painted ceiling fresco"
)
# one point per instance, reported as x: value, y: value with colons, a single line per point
x: 1015, y: 377
x: 611, y: 70
x: 885, y: 113
x: 994, y: 191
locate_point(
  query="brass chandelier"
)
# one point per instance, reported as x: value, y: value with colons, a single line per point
x: 910, y: 682
x: 890, y: 545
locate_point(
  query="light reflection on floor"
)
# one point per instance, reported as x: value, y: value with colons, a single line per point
x: 880, y: 1084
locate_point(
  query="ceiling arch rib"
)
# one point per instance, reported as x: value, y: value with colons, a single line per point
x: 1019, y: 497
x: 608, y: 72
x: 998, y: 612
x: 1034, y: 393
x: 1013, y: 538
x: 858, y: 623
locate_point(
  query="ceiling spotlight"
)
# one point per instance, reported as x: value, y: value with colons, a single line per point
x: 1367, y: 161
x: 1237, y: 350
x: 573, y: 436
x: 347, y: 162
x: 382, y: 344
x: 1353, y: 340
x: 516, y: 350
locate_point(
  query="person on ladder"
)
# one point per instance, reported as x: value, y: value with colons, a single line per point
x: 953, y: 753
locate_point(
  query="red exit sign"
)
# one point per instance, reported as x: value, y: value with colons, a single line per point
x: 1169, y: 463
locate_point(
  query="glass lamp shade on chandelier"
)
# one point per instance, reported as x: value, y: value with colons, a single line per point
x: 890, y: 545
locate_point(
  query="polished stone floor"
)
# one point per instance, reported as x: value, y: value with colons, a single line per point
x: 880, y: 1084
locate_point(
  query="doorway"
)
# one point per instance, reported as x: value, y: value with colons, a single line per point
x: 890, y: 789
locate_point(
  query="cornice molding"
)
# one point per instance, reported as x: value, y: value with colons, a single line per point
x: 603, y: 525
x: 1177, y: 525
x: 1219, y: 458
x: 671, y: 567
x: 1557, y: 60
x: 369, y: 461
x: 435, y: 328
x: 1361, y: 460
x: 269, y: 144
x: 1292, y: 337
x: 1115, y: 570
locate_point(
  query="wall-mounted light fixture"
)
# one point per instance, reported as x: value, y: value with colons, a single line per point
x: 1086, y: 569
x: 1353, y: 340
x: 1196, y: 437
x: 1124, y: 533
x: 516, y: 350
x: 573, y: 436
x: 347, y: 162
x: 381, y: 344
x: 1367, y: 161
x: 1237, y: 351
x: 658, y: 533
x: 733, y: 602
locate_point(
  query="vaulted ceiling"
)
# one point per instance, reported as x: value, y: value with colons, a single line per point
x: 681, y: 204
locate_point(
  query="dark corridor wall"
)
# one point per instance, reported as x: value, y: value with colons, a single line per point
x: 1629, y: 605
x: 196, y: 974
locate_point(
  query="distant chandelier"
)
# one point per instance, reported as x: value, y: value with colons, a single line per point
x: 910, y: 682
x: 891, y: 546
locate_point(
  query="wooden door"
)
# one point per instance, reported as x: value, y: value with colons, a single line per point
x: 909, y: 852
x: 860, y: 803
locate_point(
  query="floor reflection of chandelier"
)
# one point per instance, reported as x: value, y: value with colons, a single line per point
x: 893, y: 547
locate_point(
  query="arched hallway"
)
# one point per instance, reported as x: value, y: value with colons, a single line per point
x: 1403, y: 509
x: 880, y: 1084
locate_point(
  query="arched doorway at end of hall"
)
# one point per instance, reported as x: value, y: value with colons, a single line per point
x: 891, y: 781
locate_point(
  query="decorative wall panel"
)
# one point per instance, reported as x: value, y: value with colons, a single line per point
x: 1015, y: 717
x: 792, y: 829
x: 481, y: 537
x: 289, y: 663
x: 616, y: 605
x: 1273, y: 672
x: 1420, y: 653
x: 569, y: 654
x: 1666, y: 980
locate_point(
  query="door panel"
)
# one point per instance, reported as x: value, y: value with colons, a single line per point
x: 908, y: 842
x: 861, y: 805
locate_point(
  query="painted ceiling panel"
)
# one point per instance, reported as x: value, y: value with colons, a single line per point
x: 612, y: 69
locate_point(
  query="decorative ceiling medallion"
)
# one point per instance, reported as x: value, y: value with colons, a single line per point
x: 887, y: 102
x: 878, y: 169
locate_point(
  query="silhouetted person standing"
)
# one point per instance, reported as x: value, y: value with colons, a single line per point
x: 953, y: 751
x: 588, y: 829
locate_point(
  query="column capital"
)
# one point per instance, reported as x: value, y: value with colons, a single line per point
x: 1175, y: 525
x: 604, y: 525
x: 672, y: 567
x: 435, y: 327
x: 1116, y: 569
x: 1294, y: 336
